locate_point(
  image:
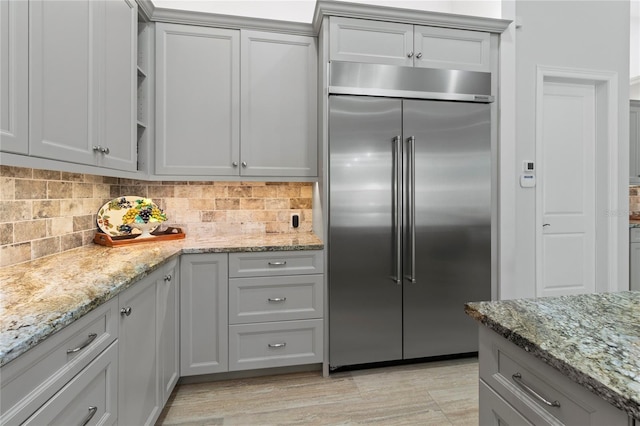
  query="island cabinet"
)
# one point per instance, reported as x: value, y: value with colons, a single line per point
x: 516, y: 388
x: 82, y: 82
x: 14, y: 76
x: 392, y: 43
x: 250, y: 310
x: 234, y: 103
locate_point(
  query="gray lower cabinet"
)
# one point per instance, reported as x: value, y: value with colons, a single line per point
x: 35, y: 386
x: 203, y: 313
x: 168, y: 329
x: 14, y: 76
x: 82, y: 82
x: 517, y: 388
x: 235, y: 103
x: 90, y: 398
x: 138, y: 393
x: 392, y: 43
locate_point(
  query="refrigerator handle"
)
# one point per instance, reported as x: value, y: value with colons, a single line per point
x: 396, y: 207
x: 412, y: 208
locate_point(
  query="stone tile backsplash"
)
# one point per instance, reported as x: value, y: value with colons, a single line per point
x: 44, y: 212
x: 634, y: 200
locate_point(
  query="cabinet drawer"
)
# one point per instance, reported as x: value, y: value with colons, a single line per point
x: 495, y: 411
x: 634, y: 235
x: 88, y: 399
x: 275, y: 263
x: 275, y: 298
x: 518, y: 376
x: 275, y: 344
x: 34, y: 377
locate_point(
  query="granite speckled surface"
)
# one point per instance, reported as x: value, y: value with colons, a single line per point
x: 592, y: 339
x: 40, y: 297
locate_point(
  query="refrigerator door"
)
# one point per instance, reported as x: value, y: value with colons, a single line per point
x: 452, y: 193
x: 365, y: 303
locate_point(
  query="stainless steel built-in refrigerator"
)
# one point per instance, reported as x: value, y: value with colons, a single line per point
x: 409, y: 226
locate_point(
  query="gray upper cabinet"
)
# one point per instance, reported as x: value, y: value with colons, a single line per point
x: 197, y: 100
x: 359, y: 40
x: 82, y: 81
x: 14, y: 74
x: 634, y: 141
x: 278, y: 104
x: 220, y: 112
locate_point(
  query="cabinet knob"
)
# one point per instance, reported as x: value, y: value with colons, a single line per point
x: 97, y: 148
x: 235, y: 164
x: 125, y: 311
x: 419, y: 55
x: 410, y: 55
x: 105, y: 150
x: 167, y: 277
x: 244, y: 164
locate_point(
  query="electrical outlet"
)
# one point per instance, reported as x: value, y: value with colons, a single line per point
x: 295, y: 220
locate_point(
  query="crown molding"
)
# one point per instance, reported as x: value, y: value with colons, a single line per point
x: 407, y: 16
x: 145, y: 9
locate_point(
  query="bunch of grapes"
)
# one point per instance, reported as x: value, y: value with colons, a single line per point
x: 130, y: 216
x: 144, y: 214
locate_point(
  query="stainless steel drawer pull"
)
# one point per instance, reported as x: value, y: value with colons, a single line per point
x: 277, y: 345
x: 277, y: 299
x: 517, y: 377
x: 281, y: 263
x: 86, y: 343
x: 92, y: 412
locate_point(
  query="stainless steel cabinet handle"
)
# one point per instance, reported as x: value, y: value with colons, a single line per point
x: 419, y: 55
x: 281, y: 263
x: 125, y: 311
x: 244, y: 164
x: 396, y: 208
x: 92, y: 412
x: 277, y: 345
x: 517, y: 377
x: 277, y: 299
x: 545, y: 225
x: 168, y: 277
x: 412, y: 207
x: 234, y: 164
x: 86, y: 343
x: 410, y: 55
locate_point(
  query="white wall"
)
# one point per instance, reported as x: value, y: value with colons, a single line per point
x: 571, y: 34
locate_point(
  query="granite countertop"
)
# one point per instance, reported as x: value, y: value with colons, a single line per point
x: 40, y: 297
x: 592, y: 339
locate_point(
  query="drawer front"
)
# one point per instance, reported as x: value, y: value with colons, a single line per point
x: 89, y: 399
x: 275, y: 298
x: 275, y: 344
x: 495, y: 411
x: 35, y: 376
x: 275, y: 263
x: 537, y: 390
x: 634, y: 235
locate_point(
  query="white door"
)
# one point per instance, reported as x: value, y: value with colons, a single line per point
x: 565, y: 195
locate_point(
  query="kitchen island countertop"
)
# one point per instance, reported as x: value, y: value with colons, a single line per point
x: 40, y: 297
x: 592, y: 339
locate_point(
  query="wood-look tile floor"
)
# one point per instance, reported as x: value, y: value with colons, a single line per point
x: 432, y: 393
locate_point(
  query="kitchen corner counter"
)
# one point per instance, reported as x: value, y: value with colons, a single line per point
x: 40, y: 297
x: 593, y: 339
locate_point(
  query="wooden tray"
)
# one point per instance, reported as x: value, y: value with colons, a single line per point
x: 125, y: 240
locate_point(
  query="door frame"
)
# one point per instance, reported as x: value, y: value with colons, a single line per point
x: 607, y: 223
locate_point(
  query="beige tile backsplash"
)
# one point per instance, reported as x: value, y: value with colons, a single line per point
x: 44, y: 212
x: 634, y: 200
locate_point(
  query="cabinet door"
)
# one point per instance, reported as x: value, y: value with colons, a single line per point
x: 203, y: 314
x: 634, y: 139
x: 279, y: 87
x: 197, y: 100
x: 63, y: 83
x: 119, y: 129
x: 167, y: 331
x: 359, y: 40
x: 14, y: 74
x: 451, y: 49
x: 634, y: 266
x: 138, y: 400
